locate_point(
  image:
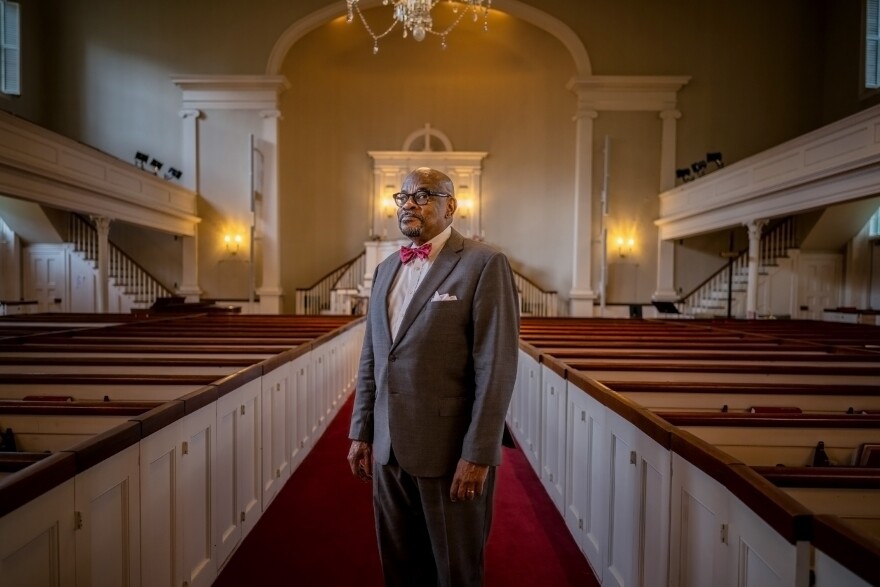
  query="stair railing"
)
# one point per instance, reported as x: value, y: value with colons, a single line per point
x: 316, y: 299
x: 125, y: 272
x: 775, y: 243
x: 534, y: 301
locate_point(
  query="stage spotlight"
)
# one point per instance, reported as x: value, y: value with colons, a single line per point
x: 140, y: 159
x: 699, y: 168
x: 684, y: 174
x: 156, y: 165
x: 172, y: 172
x: 715, y: 158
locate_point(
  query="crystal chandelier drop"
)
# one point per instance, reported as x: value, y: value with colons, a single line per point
x: 415, y: 17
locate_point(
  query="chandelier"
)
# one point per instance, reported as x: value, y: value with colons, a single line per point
x: 415, y: 17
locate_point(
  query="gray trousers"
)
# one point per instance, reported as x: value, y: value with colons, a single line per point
x: 425, y: 538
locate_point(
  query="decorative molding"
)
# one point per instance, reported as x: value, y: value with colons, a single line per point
x: 585, y: 113
x: 427, y: 132
x: 230, y: 92
x: 409, y: 160
x: 755, y: 227
x: 44, y: 167
x: 831, y: 165
x: 391, y: 167
x: 627, y: 93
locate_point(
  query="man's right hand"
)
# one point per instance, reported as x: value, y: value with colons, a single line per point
x: 360, y: 459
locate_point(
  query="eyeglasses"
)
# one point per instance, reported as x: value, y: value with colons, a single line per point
x: 420, y: 197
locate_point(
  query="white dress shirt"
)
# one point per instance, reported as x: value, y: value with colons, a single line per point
x: 407, y: 281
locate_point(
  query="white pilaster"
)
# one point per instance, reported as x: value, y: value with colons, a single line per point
x: 267, y: 214
x: 190, y: 148
x: 755, y: 227
x: 597, y: 94
x: 189, y: 283
x: 248, y: 93
x: 666, y: 248
x: 102, y: 227
x: 582, y: 295
x: 189, y: 279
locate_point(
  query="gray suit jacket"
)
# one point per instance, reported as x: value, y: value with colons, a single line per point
x: 440, y: 391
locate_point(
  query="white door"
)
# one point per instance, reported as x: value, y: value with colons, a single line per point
x: 196, y: 494
x: 553, y: 437
x: 820, y: 279
x: 108, y: 549
x: 586, y: 511
x: 45, y: 277
x: 699, y: 522
x: 161, y: 530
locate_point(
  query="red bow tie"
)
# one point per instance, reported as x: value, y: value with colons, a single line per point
x: 407, y: 254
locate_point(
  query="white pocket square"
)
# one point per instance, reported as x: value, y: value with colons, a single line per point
x: 439, y: 297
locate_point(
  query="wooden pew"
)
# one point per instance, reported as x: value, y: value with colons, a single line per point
x: 208, y: 459
x: 715, y: 395
x: 45, y: 426
x: 781, y: 439
x: 701, y: 367
x: 842, y: 556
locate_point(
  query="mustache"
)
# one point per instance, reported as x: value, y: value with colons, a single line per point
x: 406, y: 215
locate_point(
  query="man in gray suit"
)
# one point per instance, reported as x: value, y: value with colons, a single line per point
x: 436, y: 374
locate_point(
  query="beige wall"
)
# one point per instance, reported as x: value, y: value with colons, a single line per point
x: 484, y: 91
x: 762, y: 73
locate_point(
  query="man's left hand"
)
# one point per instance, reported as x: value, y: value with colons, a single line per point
x: 469, y: 480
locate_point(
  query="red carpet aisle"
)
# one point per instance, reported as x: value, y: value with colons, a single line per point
x: 319, y: 529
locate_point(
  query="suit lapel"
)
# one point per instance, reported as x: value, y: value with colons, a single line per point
x: 381, y: 287
x: 440, y: 269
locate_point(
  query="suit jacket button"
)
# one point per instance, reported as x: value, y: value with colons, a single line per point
x: 392, y: 358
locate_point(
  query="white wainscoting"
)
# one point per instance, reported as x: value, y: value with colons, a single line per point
x: 172, y: 509
x: 642, y: 514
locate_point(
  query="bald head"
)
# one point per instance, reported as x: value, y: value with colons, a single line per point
x: 430, y: 179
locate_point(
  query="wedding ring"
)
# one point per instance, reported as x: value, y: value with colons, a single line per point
x: 470, y: 491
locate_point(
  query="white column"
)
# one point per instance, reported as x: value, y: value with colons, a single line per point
x: 267, y: 229
x: 755, y: 227
x: 102, y: 227
x: 582, y: 295
x: 666, y: 249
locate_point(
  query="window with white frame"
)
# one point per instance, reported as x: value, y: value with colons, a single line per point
x: 874, y: 226
x: 10, y: 48
x: 872, y: 43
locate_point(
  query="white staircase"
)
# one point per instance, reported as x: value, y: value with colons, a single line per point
x: 342, y: 292
x: 133, y: 286
x: 729, y: 284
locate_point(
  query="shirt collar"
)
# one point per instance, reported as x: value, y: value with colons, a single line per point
x: 438, y: 241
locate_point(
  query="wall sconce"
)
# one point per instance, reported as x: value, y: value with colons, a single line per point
x: 233, y: 243
x: 465, y: 207
x: 140, y: 160
x: 173, y: 173
x: 388, y: 207
x: 624, y: 247
x: 716, y: 159
x: 156, y: 165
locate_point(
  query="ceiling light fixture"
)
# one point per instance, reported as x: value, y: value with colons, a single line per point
x: 415, y: 17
